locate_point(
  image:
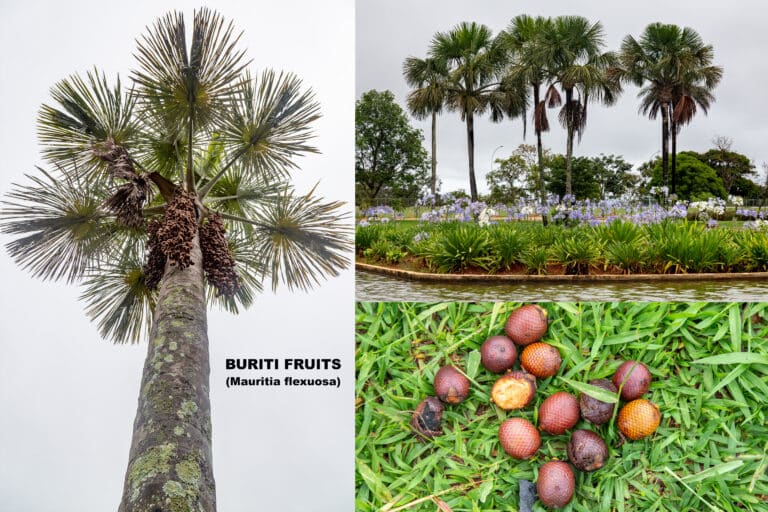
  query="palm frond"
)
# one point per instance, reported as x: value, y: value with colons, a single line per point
x: 268, y: 126
x: 118, y: 299
x: 89, y: 113
x: 241, y: 193
x: 300, y: 239
x: 60, y: 225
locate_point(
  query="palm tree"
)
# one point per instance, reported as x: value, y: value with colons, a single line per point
x: 581, y: 68
x: 427, y: 78
x: 531, y: 62
x: 166, y: 198
x: 476, y: 62
x: 674, y: 69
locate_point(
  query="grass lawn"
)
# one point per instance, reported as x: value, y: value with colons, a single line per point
x: 709, y: 363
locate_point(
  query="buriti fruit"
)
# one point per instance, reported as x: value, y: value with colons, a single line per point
x: 451, y: 386
x: 555, y: 484
x: 541, y: 359
x: 527, y: 324
x: 519, y: 438
x: 514, y: 390
x: 498, y: 354
x: 427, y: 417
x: 587, y: 450
x: 558, y: 413
x: 636, y: 379
x: 594, y: 410
x: 639, y: 418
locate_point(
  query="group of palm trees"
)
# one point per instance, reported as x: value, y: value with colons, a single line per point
x: 539, y: 63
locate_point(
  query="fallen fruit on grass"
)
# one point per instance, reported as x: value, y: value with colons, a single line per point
x: 594, y: 410
x: 636, y: 379
x: 498, y: 354
x: 427, y: 417
x: 519, y: 438
x: 555, y: 484
x: 558, y: 413
x: 451, y: 386
x: 514, y: 390
x: 639, y: 418
x: 586, y: 450
x: 527, y: 324
x: 541, y: 359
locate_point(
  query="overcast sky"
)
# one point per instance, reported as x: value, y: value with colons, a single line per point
x: 389, y: 31
x: 67, y: 398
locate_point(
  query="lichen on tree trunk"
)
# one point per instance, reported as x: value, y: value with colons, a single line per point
x: 169, y: 468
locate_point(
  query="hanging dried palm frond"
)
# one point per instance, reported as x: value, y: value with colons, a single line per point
x: 128, y: 200
x: 155, y: 266
x: 218, y: 263
x: 179, y: 229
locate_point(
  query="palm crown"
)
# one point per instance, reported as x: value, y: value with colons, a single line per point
x: 195, y: 124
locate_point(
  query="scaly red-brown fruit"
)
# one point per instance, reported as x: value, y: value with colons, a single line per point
x: 638, y: 419
x: 558, y: 413
x: 218, y: 263
x: 586, y: 450
x: 594, y: 410
x: 519, y: 438
x: 555, y: 484
x: 451, y: 386
x: 541, y: 359
x: 498, y: 354
x: 636, y: 379
x: 527, y: 324
x: 514, y: 390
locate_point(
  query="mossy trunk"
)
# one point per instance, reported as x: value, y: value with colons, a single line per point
x: 169, y: 468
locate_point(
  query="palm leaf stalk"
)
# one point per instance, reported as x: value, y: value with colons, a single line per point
x: 166, y: 198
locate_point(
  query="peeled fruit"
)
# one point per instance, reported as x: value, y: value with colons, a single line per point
x: 555, y: 484
x: 527, y: 324
x: 519, y: 438
x: 586, y: 450
x: 514, y: 390
x: 451, y: 386
x: 558, y: 413
x: 636, y: 380
x: 639, y: 418
x: 541, y: 359
x: 593, y: 409
x: 427, y: 417
x: 498, y: 354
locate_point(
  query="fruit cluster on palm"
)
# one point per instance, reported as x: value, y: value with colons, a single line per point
x: 166, y: 198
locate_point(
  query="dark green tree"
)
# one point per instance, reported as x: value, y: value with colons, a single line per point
x: 427, y: 78
x: 162, y: 199
x: 613, y: 175
x: 389, y: 152
x: 476, y: 65
x: 584, y: 184
x: 696, y: 180
x: 513, y: 176
x: 732, y: 167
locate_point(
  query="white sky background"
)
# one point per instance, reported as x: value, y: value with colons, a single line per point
x: 68, y: 398
x: 389, y: 31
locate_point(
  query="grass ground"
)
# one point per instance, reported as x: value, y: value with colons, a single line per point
x: 709, y: 363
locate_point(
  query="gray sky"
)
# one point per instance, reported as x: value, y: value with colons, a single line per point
x: 68, y: 398
x: 389, y: 31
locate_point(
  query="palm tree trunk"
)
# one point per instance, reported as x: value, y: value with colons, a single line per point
x: 673, y: 131
x: 569, y: 141
x: 665, y: 144
x: 539, y: 152
x: 169, y: 465
x: 471, y: 152
x: 434, y: 152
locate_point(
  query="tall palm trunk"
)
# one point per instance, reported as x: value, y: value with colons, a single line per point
x: 665, y: 144
x: 569, y: 141
x: 471, y: 151
x: 434, y: 152
x: 169, y: 465
x: 673, y: 131
x: 539, y: 151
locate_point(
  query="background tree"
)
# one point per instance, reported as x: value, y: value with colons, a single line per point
x: 733, y: 168
x: 696, y: 180
x: 162, y: 199
x: 614, y: 175
x: 389, y: 155
x: 514, y: 176
x: 593, y: 177
x: 581, y: 68
x: 476, y: 63
x: 427, y: 77
x: 526, y: 39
